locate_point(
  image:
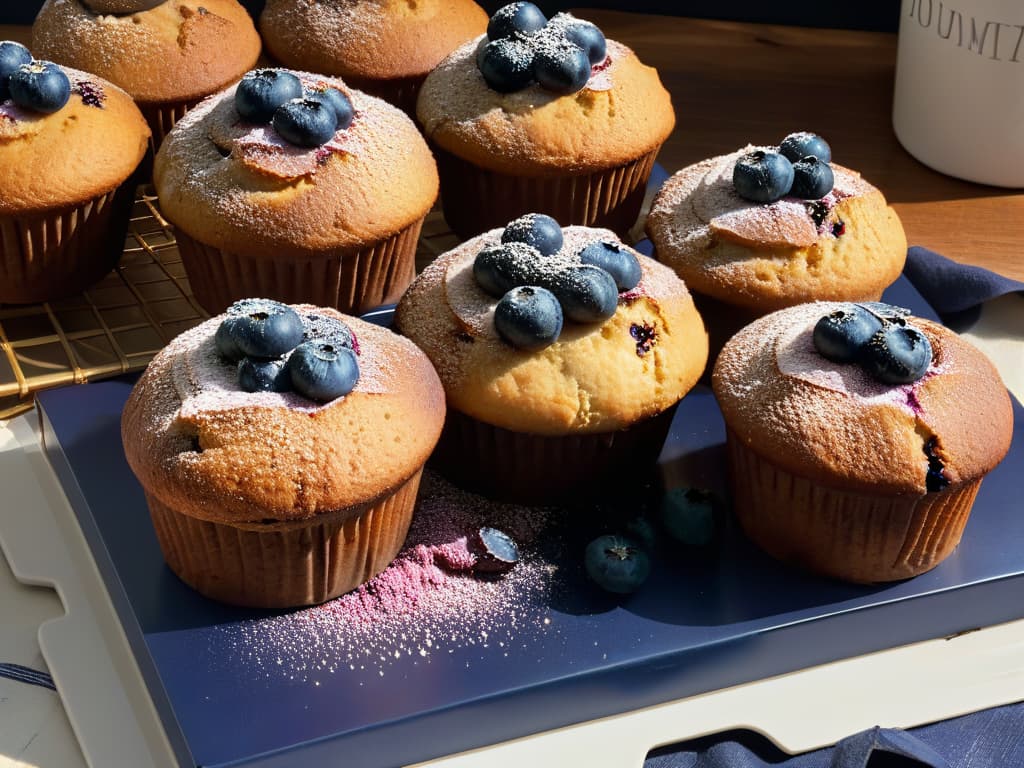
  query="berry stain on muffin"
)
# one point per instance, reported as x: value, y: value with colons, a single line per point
x: 646, y: 337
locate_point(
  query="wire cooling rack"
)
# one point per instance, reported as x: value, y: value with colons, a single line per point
x: 118, y: 324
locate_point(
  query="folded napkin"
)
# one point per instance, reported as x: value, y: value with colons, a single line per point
x: 992, y: 737
x: 955, y: 291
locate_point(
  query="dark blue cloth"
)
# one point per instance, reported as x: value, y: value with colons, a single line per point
x: 955, y: 291
x: 992, y: 738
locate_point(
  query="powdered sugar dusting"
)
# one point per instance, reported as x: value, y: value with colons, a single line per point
x: 700, y: 199
x: 206, y: 383
x: 426, y: 602
x: 796, y: 356
x: 475, y: 308
x: 261, y: 148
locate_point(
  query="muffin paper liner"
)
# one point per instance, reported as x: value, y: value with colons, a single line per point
x: 476, y: 200
x: 851, y: 536
x: 516, y: 466
x: 162, y: 116
x: 61, y: 251
x: 351, y: 281
x: 284, y: 565
x: 401, y: 92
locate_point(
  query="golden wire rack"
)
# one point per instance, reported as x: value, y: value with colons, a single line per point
x: 120, y: 323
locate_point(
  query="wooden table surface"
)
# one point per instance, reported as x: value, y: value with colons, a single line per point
x: 735, y: 83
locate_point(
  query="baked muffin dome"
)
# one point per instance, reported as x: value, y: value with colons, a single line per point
x: 541, y: 408
x: 383, y: 47
x: 66, y: 188
x: 622, y: 114
x: 315, y: 498
x: 849, y: 245
x: 334, y: 224
x: 167, y: 58
x: 852, y: 477
x: 597, y: 377
x: 581, y: 156
x: 86, y: 149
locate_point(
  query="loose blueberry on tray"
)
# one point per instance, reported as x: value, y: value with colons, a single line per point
x: 689, y: 517
x: 496, y: 552
x: 617, y: 564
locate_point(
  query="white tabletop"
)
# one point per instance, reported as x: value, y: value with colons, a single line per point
x: 36, y: 731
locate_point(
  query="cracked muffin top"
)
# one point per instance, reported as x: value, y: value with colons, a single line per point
x: 179, y: 50
x: 555, y: 332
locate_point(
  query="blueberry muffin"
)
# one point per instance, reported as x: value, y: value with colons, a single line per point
x: 764, y: 228
x: 562, y: 352
x: 858, y: 436
x: 296, y: 187
x: 280, y: 450
x: 383, y: 47
x: 168, y: 55
x: 543, y: 116
x: 69, y: 145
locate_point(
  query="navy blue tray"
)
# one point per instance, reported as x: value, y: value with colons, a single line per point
x: 701, y: 623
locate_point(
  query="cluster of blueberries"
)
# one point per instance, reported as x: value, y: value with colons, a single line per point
x: 800, y: 168
x: 40, y: 86
x: 525, y: 47
x: 877, y: 337
x: 534, y: 298
x: 621, y: 563
x: 302, y: 116
x: 278, y: 350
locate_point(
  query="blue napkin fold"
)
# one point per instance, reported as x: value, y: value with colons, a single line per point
x: 991, y: 737
x: 955, y: 291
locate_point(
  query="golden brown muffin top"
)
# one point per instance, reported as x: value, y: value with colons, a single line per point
x: 181, y: 50
x: 622, y: 113
x: 240, y: 187
x: 368, y: 39
x: 848, y: 245
x: 595, y: 378
x: 85, y: 149
x: 202, y: 445
x: 836, y: 425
